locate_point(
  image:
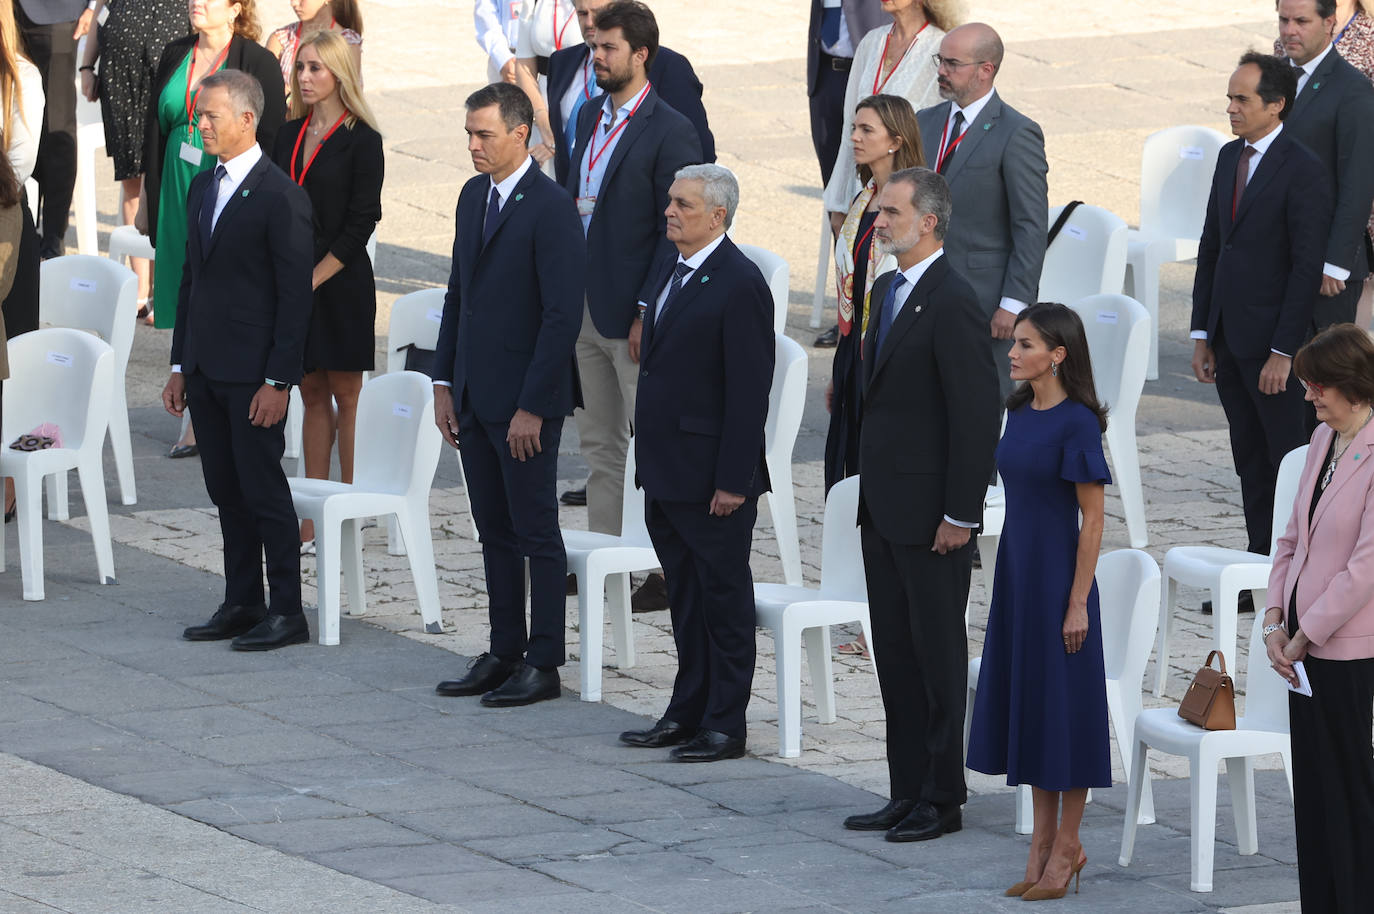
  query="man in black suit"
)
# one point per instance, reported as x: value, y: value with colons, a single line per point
x: 629, y: 146
x: 572, y: 83
x: 837, y: 27
x: 705, y: 372
x: 504, y: 378
x: 236, y: 350
x: 1259, y: 267
x: 1333, y: 116
x: 925, y: 456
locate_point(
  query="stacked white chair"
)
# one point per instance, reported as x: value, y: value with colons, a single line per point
x: 1261, y: 730
x: 127, y: 241
x: 786, y: 401
x: 1176, y: 169
x: 1088, y: 257
x: 778, y: 276
x: 90, y: 137
x: 397, y: 454
x: 61, y: 377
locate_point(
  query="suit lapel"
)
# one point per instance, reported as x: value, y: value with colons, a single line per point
x: 237, y: 201
x: 1351, y: 464
x: 911, y: 312
x: 634, y: 128
x: 662, y: 270
x: 587, y: 119
x: 509, y: 206
x: 986, y: 122
x: 930, y: 135
x: 692, y: 286
x: 879, y: 292
x: 1315, y: 83
x: 1269, y: 165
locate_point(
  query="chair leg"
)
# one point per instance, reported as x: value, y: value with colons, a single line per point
x: 1167, y: 595
x: 59, y: 500
x: 467, y: 502
x: 817, y: 640
x: 1126, y: 461
x: 395, y: 542
x: 822, y: 270
x: 420, y: 539
x: 28, y: 495
x: 1240, y: 773
x: 1202, y: 780
x: 591, y: 593
x: 1139, y: 776
x: 122, y: 448
x: 787, y: 647
x: 782, y: 507
x: 1025, y: 810
x: 327, y: 535
x: 351, y: 558
x: 295, y: 424
x: 622, y: 620
x: 987, y: 551
x: 92, y: 476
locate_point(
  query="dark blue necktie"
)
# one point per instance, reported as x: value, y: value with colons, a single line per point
x: 207, y: 206
x: 889, y: 312
x: 493, y: 210
x: 679, y: 273
x: 570, y: 128
x: 830, y: 26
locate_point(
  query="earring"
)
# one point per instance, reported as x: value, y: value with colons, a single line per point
x: 1054, y: 369
x: 891, y: 151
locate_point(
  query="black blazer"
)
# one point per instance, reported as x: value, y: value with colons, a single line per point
x: 930, y: 410
x: 704, y: 378
x: 245, y: 300
x: 1333, y: 117
x: 243, y: 55
x: 861, y: 16
x: 673, y: 78
x: 1262, y: 271
x: 514, y: 305
x: 627, y: 228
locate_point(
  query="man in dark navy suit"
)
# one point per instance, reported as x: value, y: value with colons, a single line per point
x: 837, y: 27
x: 504, y: 378
x: 1259, y: 268
x: 237, y: 348
x: 705, y: 370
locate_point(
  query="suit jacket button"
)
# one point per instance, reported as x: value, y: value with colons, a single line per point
x: 467, y: 312
x: 1226, y: 247
x: 644, y: 374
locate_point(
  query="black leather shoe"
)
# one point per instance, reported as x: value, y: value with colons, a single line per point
x: 525, y: 685
x: 651, y: 596
x: 709, y: 746
x: 829, y: 339
x: 894, y: 812
x: 485, y: 672
x: 273, y: 632
x: 574, y: 498
x: 662, y: 734
x: 570, y: 589
x: 1245, y: 604
x: 926, y: 821
x: 227, y: 622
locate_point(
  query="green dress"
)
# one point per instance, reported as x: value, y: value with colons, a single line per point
x: 177, y: 174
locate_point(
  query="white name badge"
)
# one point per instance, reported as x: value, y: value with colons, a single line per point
x: 436, y: 315
x: 83, y: 285
x: 1190, y: 152
x: 400, y: 409
x: 586, y: 206
x: 59, y: 358
x: 1074, y: 232
x: 190, y: 154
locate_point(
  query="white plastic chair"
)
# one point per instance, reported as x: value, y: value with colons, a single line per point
x: 596, y: 558
x: 1118, y: 328
x: 822, y: 270
x: 786, y: 401
x: 778, y: 276
x: 1225, y: 572
x: 127, y: 241
x: 795, y: 614
x: 93, y: 293
x: 1087, y: 258
x: 63, y: 377
x: 397, y: 453
x: 990, y: 537
x: 1176, y: 168
x: 1262, y: 730
x: 90, y: 137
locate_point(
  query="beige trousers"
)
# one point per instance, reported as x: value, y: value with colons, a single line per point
x: 609, y: 381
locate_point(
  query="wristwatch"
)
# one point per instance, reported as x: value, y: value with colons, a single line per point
x: 280, y: 385
x: 1269, y: 630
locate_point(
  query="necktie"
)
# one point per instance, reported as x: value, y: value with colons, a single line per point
x: 493, y: 210
x: 1242, y: 176
x: 830, y: 26
x: 1299, y: 72
x: 207, y: 206
x: 570, y: 128
x: 679, y: 273
x: 951, y: 143
x: 889, y: 312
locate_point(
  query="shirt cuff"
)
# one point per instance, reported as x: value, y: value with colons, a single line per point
x: 1284, y: 354
x: 1335, y: 272
x: 176, y: 369
x: 1012, y: 305
x: 1198, y: 335
x: 443, y: 383
x: 960, y: 523
x: 270, y: 383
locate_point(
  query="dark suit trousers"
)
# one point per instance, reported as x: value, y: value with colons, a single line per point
x: 1339, y: 309
x: 916, y: 601
x: 1333, y: 785
x: 711, y: 593
x: 827, y: 114
x: 53, y: 51
x: 515, y: 506
x: 1263, y: 429
x: 243, y: 474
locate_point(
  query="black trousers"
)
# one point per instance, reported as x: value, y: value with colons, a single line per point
x: 515, y: 506
x: 1264, y: 427
x: 21, y: 304
x: 916, y: 601
x: 827, y: 114
x: 53, y: 51
x: 244, y: 476
x: 711, y: 595
x: 1333, y: 785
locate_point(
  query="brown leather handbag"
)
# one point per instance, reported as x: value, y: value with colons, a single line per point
x: 1210, y: 701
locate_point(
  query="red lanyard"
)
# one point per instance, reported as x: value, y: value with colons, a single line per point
x: 878, y: 86
x: 557, y: 32
x: 190, y: 80
x: 300, y: 137
x: 591, y: 142
x: 949, y: 150
x: 859, y: 246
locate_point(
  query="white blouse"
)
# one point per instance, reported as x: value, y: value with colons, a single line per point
x: 26, y: 116
x: 538, y: 37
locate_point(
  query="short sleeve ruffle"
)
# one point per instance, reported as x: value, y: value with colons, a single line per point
x: 1079, y: 465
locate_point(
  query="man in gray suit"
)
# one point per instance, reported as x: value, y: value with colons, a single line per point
x: 994, y: 160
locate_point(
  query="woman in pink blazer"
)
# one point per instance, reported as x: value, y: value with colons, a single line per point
x: 1321, y: 611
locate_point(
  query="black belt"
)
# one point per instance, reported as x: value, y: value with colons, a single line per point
x: 842, y: 64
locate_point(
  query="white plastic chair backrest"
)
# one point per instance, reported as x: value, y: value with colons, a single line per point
x: 1118, y: 332
x: 60, y: 376
x: 786, y: 397
x: 1128, y: 593
x: 90, y: 293
x: 1176, y: 168
x: 1088, y: 256
x: 632, y: 526
x: 842, y: 557
x: 396, y: 449
x: 415, y: 319
x: 778, y: 276
x: 1266, y: 694
x: 1286, y: 493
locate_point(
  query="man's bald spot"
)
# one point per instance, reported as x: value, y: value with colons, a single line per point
x: 982, y: 40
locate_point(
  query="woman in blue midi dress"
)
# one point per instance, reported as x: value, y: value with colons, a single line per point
x: 1041, y: 711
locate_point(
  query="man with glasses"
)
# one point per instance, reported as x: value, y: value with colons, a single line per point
x: 994, y: 160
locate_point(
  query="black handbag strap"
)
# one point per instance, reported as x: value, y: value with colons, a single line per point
x: 1064, y: 215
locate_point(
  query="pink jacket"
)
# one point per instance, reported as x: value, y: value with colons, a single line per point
x: 1332, y: 562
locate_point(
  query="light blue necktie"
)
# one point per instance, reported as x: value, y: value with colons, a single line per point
x: 888, y: 313
x: 570, y: 128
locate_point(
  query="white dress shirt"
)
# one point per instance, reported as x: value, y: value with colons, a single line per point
x: 591, y: 174
x: 694, y: 262
x: 236, y: 169
x: 584, y: 84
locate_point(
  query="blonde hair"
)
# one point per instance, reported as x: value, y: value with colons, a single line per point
x: 337, y: 58
x: 11, y: 49
x: 944, y: 14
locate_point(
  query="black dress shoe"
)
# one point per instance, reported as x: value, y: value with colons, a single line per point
x: 1244, y: 604
x: 571, y: 589
x: 651, y: 596
x: 709, y: 746
x: 926, y: 821
x: 829, y: 339
x: 485, y: 672
x: 183, y: 450
x: 662, y: 734
x: 574, y: 498
x: 894, y: 812
x: 273, y: 632
x: 227, y: 622
x: 525, y: 685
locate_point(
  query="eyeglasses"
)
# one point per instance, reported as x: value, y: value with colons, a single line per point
x: 949, y: 63
x: 1317, y: 389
